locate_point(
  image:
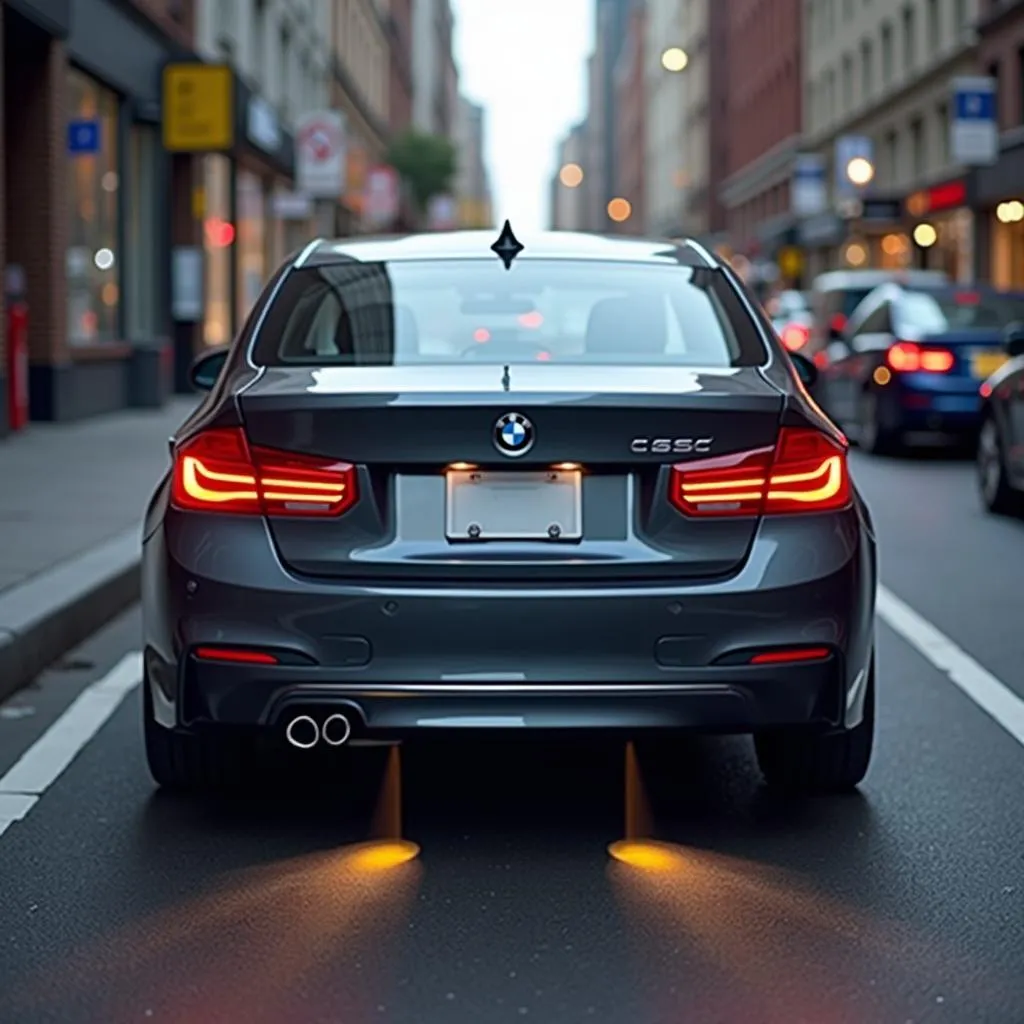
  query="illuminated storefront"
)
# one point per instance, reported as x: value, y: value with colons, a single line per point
x: 941, y: 227
x: 998, y: 198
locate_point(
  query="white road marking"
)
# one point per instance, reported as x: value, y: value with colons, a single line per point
x: 990, y: 694
x: 44, y: 762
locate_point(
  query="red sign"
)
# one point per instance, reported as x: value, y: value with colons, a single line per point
x: 947, y: 196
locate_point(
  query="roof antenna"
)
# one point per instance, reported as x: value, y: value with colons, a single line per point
x: 506, y: 380
x: 508, y: 247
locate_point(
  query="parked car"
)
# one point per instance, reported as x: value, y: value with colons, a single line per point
x: 1001, y: 439
x: 836, y: 294
x: 911, y: 360
x: 790, y: 312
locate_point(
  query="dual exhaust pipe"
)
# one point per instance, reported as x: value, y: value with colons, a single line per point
x: 304, y: 732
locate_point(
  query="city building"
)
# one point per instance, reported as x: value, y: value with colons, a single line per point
x: 596, y: 180
x: 997, y: 191
x: 629, y: 122
x: 720, y: 72
x: 677, y: 143
x: 881, y: 74
x: 612, y: 17
x: 361, y: 73
x: 273, y: 64
x: 435, y: 83
x: 90, y: 202
x: 764, y: 119
x: 569, y: 187
x: 472, y: 186
x: 400, y: 79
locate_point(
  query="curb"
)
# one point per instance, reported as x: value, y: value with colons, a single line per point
x: 43, y: 618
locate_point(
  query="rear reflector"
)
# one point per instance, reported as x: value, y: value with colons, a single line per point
x: 908, y: 357
x: 805, y: 472
x: 794, y: 655
x: 240, y: 656
x: 217, y: 471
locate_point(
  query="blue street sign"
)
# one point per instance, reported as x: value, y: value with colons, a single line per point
x: 973, y: 129
x: 83, y: 137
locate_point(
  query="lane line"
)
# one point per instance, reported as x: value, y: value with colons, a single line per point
x: 992, y: 695
x: 46, y: 760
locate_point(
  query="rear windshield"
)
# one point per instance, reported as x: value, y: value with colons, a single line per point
x: 440, y: 311
x: 940, y: 312
x: 852, y: 299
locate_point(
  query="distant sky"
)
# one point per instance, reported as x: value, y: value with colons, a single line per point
x: 525, y: 61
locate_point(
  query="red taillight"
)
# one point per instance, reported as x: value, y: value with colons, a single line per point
x: 909, y: 357
x: 805, y: 472
x: 838, y: 323
x: 795, y: 336
x: 217, y: 471
x: 790, y: 656
x: 237, y: 655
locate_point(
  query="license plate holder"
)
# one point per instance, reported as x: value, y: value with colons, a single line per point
x: 984, y: 364
x: 526, y: 506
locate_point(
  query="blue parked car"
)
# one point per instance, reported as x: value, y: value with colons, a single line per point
x: 911, y: 360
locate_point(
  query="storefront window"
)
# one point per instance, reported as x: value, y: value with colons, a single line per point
x: 142, y: 281
x: 1008, y: 255
x: 252, y: 242
x: 218, y: 237
x: 93, y: 259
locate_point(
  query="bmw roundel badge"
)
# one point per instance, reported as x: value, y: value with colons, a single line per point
x: 513, y: 434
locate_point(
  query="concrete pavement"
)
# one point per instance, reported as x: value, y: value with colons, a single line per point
x: 902, y: 904
x: 71, y: 504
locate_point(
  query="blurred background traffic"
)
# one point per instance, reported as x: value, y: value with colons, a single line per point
x: 849, y: 157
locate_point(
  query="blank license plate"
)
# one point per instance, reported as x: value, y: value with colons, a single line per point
x: 984, y: 364
x: 514, y: 506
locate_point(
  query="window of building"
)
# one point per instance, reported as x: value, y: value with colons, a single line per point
x: 93, y: 266
x: 218, y: 239
x: 144, y: 237
x: 934, y: 27
x: 960, y: 18
x: 909, y: 39
x: 867, y: 70
x: 917, y: 151
x: 847, y: 83
x: 847, y: 10
x: 286, y: 71
x: 891, y: 157
x: 942, y: 128
x: 887, y: 54
x: 252, y: 242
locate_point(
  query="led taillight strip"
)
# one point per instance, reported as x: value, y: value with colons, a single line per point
x: 192, y: 469
x: 730, y: 490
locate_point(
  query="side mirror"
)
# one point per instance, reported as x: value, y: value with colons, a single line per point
x: 805, y: 369
x: 206, y: 369
x: 1013, y: 338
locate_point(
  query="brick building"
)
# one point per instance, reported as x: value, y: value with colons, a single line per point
x: 400, y: 84
x: 998, y: 191
x: 763, y: 37
x: 84, y: 187
x: 629, y: 110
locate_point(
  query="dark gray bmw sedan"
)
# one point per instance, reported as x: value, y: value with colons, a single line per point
x: 560, y: 483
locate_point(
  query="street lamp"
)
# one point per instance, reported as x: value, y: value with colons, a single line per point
x: 674, y: 59
x: 925, y: 235
x: 860, y: 171
x: 619, y: 209
x: 571, y: 175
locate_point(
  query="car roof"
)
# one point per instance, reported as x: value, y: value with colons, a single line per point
x: 838, y: 279
x: 477, y: 244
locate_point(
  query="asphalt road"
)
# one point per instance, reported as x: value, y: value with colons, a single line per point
x: 902, y: 904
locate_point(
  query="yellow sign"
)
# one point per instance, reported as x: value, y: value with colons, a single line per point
x: 986, y: 363
x: 791, y: 261
x: 199, y: 108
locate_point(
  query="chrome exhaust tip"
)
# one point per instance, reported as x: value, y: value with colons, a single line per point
x: 302, y: 732
x: 336, y: 730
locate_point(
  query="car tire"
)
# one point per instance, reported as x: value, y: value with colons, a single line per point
x: 810, y: 762
x: 994, y: 486
x: 872, y: 437
x: 190, y: 763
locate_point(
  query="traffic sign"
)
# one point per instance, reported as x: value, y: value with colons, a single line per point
x: 973, y: 129
x: 199, y: 108
x: 321, y: 154
x: 83, y: 137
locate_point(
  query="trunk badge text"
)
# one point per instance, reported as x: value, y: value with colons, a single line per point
x: 513, y: 434
x: 671, y: 445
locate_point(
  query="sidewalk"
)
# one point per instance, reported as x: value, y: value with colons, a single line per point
x: 71, y: 503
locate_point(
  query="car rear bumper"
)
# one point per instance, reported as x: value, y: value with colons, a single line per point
x: 955, y: 408
x: 408, y: 658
